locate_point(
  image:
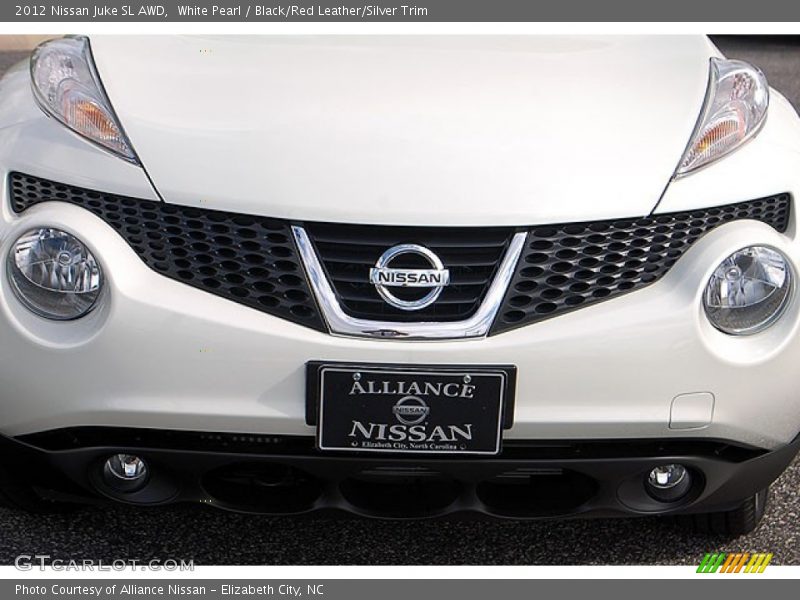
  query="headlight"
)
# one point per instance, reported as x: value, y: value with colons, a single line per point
x: 66, y: 85
x: 749, y: 290
x: 54, y: 275
x: 734, y: 111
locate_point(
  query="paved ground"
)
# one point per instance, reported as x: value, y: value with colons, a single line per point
x: 211, y: 537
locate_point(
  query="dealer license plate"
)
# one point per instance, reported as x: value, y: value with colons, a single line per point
x: 426, y: 410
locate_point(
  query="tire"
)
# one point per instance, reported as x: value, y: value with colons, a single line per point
x: 738, y: 521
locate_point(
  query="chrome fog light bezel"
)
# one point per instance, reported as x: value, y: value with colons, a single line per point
x: 765, y: 323
x: 116, y: 475
x: 669, y: 491
x: 25, y: 289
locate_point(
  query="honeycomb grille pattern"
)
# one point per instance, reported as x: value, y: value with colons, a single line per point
x: 564, y: 267
x: 253, y: 260
x: 250, y: 260
x: 471, y: 255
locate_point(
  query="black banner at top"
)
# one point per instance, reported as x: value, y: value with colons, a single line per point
x: 398, y: 11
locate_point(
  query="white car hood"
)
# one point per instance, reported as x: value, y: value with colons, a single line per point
x: 414, y: 130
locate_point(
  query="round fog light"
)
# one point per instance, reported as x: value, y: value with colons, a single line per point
x: 125, y: 472
x: 53, y: 274
x: 668, y: 483
x: 748, y: 291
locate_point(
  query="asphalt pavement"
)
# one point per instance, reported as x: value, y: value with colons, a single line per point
x: 211, y: 537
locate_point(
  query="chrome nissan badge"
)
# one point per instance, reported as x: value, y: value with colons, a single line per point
x: 411, y: 410
x: 383, y: 277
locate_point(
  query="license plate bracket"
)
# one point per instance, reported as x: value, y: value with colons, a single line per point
x: 410, y: 409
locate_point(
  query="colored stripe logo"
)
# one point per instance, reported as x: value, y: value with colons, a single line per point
x: 737, y: 562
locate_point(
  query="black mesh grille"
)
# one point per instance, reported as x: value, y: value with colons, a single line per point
x: 250, y: 260
x: 253, y: 260
x: 564, y: 267
x: 472, y: 255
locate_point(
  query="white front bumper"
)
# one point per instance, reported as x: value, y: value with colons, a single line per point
x: 161, y: 354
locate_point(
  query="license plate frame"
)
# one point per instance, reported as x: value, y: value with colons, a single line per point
x: 498, y: 405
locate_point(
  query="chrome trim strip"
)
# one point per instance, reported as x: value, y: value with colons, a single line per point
x: 341, y: 323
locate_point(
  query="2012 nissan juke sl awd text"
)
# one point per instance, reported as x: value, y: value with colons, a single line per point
x: 528, y: 277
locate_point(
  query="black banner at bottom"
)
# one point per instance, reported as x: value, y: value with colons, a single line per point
x: 732, y: 586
